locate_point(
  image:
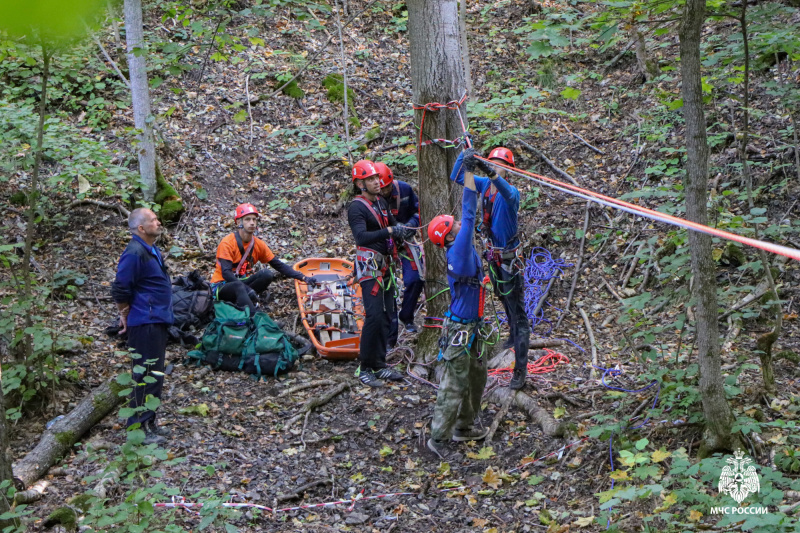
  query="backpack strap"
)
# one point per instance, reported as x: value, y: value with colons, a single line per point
x: 245, y: 253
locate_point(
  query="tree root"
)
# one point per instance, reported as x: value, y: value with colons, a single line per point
x: 317, y: 402
x: 501, y: 414
x: 298, y: 492
x: 308, y: 385
x: 86, y: 201
x: 549, y: 425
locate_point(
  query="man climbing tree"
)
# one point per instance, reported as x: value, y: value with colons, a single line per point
x: 461, y: 341
x: 233, y: 280
x: 376, y: 233
x: 404, y: 206
x: 500, y: 203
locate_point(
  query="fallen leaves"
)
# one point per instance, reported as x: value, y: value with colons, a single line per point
x: 491, y: 478
x: 198, y: 409
x: 485, y: 453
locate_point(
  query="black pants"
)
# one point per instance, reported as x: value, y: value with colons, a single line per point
x: 509, y: 288
x: 379, y: 310
x: 150, y: 342
x: 239, y: 292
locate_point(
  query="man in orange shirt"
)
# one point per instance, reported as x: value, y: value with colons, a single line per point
x: 233, y: 280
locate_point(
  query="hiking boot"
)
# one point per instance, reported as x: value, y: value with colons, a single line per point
x: 153, y: 438
x: 151, y: 426
x: 518, y: 379
x: 368, y: 377
x: 509, y: 344
x: 473, y: 433
x: 437, y: 447
x: 389, y: 373
x: 411, y: 327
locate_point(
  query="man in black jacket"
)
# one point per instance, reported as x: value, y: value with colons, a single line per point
x: 143, y: 293
x: 376, y: 233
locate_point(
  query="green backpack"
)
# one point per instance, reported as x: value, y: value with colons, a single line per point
x: 236, y: 342
x: 228, y: 331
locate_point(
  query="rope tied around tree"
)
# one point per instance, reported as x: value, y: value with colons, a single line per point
x: 453, y: 105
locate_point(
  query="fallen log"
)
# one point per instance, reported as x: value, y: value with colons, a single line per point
x: 64, y: 433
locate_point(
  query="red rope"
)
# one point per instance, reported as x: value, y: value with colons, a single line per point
x: 649, y: 213
x: 547, y: 363
x: 435, y: 106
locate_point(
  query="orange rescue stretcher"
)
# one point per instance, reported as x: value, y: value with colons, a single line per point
x: 332, y: 312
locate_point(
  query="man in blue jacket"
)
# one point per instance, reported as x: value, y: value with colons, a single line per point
x: 143, y: 293
x: 404, y: 205
x: 500, y: 203
x: 464, y: 378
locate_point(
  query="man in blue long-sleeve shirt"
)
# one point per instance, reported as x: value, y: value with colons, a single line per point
x: 143, y: 293
x: 500, y: 202
x: 464, y: 378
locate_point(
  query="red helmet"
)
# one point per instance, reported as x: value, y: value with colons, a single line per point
x: 503, y: 154
x: 438, y: 229
x: 244, y: 210
x: 364, y: 169
x: 385, y: 173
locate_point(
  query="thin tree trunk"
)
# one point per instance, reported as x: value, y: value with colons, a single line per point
x: 345, y: 113
x: 5, y: 463
x: 462, y: 26
x: 437, y: 75
x: 33, y: 198
x: 717, y: 412
x: 140, y: 96
x: 765, y: 342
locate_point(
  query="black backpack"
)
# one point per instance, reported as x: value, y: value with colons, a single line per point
x: 191, y: 301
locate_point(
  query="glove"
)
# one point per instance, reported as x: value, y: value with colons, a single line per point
x: 403, y: 233
x: 485, y: 167
x: 311, y: 280
x: 469, y: 160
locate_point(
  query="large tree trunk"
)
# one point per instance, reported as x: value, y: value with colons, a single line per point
x: 718, y: 416
x: 63, y: 434
x: 437, y: 75
x: 140, y: 95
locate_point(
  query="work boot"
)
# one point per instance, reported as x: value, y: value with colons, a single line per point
x: 411, y: 327
x: 151, y: 426
x: 367, y: 377
x: 151, y: 437
x: 518, y: 379
x: 437, y: 447
x: 473, y: 433
x: 389, y: 373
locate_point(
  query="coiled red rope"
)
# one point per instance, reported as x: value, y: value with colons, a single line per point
x: 546, y: 363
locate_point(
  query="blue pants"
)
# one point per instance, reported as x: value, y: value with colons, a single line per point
x: 413, y: 288
x: 150, y: 342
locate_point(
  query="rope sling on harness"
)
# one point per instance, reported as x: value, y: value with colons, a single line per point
x: 470, y: 328
x: 371, y: 264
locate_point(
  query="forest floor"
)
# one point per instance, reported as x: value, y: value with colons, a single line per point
x: 241, y: 448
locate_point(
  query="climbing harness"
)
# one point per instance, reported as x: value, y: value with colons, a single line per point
x: 371, y: 264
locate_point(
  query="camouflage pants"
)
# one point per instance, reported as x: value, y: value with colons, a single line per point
x: 461, y: 388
